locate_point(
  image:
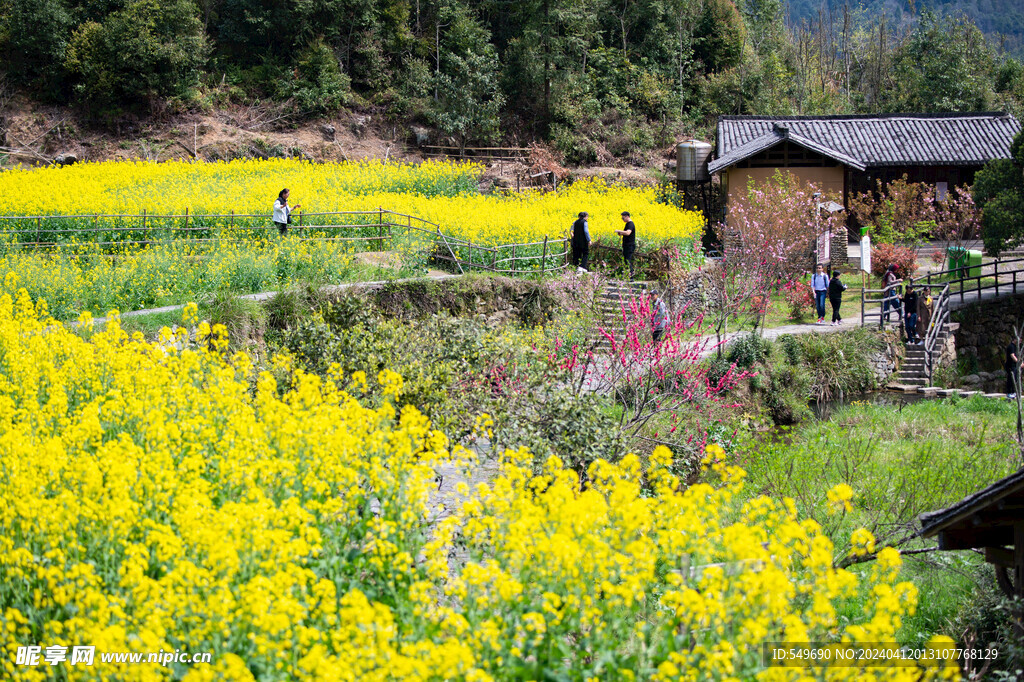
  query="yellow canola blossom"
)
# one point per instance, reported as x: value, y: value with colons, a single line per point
x: 159, y: 499
x: 443, y: 193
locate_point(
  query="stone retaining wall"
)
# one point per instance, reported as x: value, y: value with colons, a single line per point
x: 986, y: 329
x: 886, y: 361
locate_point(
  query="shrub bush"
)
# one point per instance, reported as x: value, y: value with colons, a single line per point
x: 903, y: 257
x: 799, y: 297
x: 748, y: 350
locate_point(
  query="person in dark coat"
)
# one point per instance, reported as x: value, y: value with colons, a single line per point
x: 910, y: 306
x: 628, y: 234
x: 580, y: 241
x: 1012, y: 367
x: 835, y: 296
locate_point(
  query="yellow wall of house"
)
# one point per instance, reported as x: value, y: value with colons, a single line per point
x: 827, y: 179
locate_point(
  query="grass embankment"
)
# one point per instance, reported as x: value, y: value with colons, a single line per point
x: 900, y: 461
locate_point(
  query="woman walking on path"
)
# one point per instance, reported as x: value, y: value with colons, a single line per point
x: 580, y: 241
x: 910, y: 306
x: 282, y: 211
x: 835, y: 297
x: 819, y: 283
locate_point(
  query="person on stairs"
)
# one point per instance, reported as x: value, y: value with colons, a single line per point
x: 819, y: 283
x: 835, y: 296
x: 925, y: 305
x: 580, y: 241
x: 910, y: 299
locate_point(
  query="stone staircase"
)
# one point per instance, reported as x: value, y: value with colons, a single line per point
x: 914, y: 370
x: 614, y: 296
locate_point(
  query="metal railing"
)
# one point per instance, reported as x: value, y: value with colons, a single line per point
x: 940, y: 315
x: 999, y: 276
x: 378, y: 229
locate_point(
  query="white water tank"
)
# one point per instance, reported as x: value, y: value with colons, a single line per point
x: 692, y: 161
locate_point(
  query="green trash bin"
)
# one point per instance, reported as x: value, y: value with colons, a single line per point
x: 973, y: 263
x: 957, y: 257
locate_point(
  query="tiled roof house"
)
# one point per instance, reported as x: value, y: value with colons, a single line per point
x: 846, y: 154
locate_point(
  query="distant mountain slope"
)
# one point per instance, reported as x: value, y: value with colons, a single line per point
x: 1001, y: 20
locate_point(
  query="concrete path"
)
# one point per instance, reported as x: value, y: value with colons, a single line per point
x: 432, y: 275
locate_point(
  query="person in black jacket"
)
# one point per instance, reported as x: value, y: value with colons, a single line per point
x: 835, y: 296
x: 910, y: 308
x: 628, y: 234
x: 580, y: 241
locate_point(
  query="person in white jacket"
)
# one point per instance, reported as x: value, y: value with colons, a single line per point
x: 282, y: 211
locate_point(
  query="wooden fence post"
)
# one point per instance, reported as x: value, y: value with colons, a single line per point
x: 143, y: 220
x: 544, y: 256
x: 39, y: 228
x: 232, y: 219
x: 186, y: 218
x: 997, y: 277
x: 470, y: 253
x: 513, y: 260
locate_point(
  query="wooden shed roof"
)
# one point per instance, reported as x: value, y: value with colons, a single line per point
x: 868, y: 141
x: 983, y: 519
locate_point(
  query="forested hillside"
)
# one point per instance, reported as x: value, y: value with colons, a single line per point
x: 1002, y: 21
x: 600, y: 79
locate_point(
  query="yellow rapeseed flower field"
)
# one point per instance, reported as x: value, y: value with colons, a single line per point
x: 444, y: 193
x: 168, y: 497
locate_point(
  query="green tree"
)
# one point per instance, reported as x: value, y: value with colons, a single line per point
x: 149, y: 50
x: 467, y: 100
x: 719, y: 36
x: 318, y: 85
x: 999, y: 192
x: 945, y: 65
x: 37, y: 36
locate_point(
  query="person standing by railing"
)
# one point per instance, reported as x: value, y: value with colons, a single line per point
x: 282, y: 211
x: 819, y: 283
x: 910, y: 301
x: 889, y: 296
x: 581, y: 241
x: 925, y: 305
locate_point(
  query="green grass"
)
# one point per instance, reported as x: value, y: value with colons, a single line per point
x: 901, y: 461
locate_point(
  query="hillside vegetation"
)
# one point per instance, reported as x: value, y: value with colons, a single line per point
x: 601, y: 80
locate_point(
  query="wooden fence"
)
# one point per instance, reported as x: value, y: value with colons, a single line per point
x: 474, y: 153
x: 379, y: 230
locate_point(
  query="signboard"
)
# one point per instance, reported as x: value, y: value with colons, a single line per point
x: 865, y: 253
x: 824, y: 252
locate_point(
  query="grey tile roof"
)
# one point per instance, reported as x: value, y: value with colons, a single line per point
x: 933, y: 522
x: 873, y: 141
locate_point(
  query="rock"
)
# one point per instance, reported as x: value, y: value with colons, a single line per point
x: 984, y: 376
x: 999, y: 374
x: 359, y: 123
x: 420, y: 135
x: 328, y: 131
x: 65, y: 159
x: 970, y: 380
